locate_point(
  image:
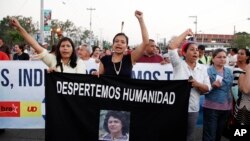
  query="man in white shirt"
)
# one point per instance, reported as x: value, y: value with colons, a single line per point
x: 232, y: 58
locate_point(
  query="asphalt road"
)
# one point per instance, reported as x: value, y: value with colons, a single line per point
x: 39, y: 135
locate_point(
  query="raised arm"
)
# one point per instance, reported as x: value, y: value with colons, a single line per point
x: 138, y: 52
x: 244, y: 81
x: 179, y: 39
x: 33, y: 43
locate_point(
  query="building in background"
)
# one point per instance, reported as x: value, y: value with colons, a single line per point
x: 214, y: 41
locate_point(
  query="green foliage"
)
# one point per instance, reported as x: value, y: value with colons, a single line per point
x: 242, y: 40
x: 67, y: 28
x: 107, y: 45
x: 10, y: 35
x: 15, y: 38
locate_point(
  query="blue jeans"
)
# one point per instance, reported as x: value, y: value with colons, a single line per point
x: 213, y: 123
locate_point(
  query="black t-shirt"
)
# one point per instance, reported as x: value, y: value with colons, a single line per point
x: 123, y: 68
x: 23, y: 56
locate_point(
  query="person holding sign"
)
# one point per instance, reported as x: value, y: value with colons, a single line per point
x: 218, y: 102
x: 189, y: 69
x: 119, y: 64
x: 64, y: 60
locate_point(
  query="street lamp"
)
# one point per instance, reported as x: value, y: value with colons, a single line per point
x: 195, y: 22
x: 59, y: 33
x: 202, y: 36
x: 54, y: 31
x: 122, y: 26
x: 90, y: 24
x: 29, y: 28
x: 41, y: 21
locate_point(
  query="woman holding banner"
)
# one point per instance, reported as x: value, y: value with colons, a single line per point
x: 189, y: 69
x: 64, y: 60
x: 119, y: 64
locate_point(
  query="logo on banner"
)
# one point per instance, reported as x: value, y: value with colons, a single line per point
x: 10, y: 109
x: 31, y: 109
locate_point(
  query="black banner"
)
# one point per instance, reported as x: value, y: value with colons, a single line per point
x: 87, y: 108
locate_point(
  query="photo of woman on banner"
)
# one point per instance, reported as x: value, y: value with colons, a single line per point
x: 116, y: 126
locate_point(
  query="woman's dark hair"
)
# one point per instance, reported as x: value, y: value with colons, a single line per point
x: 247, y: 54
x: 121, y: 34
x: 22, y: 47
x: 235, y: 50
x: 93, y: 50
x: 73, y: 57
x: 122, y: 116
x: 53, y: 49
x: 216, y: 52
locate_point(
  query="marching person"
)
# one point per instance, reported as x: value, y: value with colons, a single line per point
x: 119, y: 64
x: 218, y: 102
x: 194, y: 72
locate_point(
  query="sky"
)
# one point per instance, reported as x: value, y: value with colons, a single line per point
x: 163, y: 18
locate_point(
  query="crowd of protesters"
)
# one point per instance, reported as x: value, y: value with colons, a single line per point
x: 223, y: 77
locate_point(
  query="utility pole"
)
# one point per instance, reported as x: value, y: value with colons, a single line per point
x: 90, y: 24
x: 195, y: 22
x: 42, y: 22
x: 234, y: 29
x: 122, y: 26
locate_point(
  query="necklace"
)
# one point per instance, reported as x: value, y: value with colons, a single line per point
x: 118, y: 71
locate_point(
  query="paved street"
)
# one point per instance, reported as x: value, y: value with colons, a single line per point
x: 38, y: 135
x: 23, y: 135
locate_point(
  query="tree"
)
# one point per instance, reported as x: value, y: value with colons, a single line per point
x: 242, y: 40
x: 77, y: 34
x: 106, y: 44
x: 10, y: 35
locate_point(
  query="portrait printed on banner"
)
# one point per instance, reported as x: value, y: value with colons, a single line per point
x: 114, y: 125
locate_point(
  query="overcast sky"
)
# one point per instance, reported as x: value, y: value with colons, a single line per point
x: 164, y: 18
